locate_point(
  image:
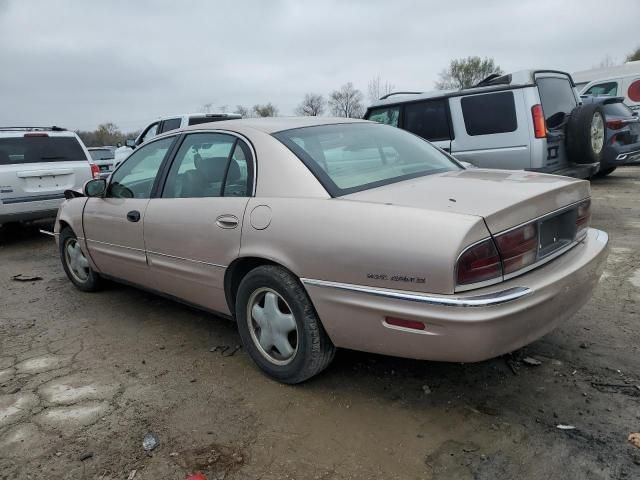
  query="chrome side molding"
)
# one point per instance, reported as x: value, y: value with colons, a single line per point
x: 485, y: 300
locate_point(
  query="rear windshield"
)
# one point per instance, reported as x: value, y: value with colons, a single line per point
x: 103, y: 154
x: 617, y: 109
x: 558, y: 100
x: 348, y: 158
x: 38, y: 149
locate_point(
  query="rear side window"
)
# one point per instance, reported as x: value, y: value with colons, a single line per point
x: 387, y: 115
x: 427, y: 119
x: 489, y: 113
x: 609, y: 88
x: 617, y: 109
x: 558, y: 100
x: 40, y: 148
x: 170, y: 124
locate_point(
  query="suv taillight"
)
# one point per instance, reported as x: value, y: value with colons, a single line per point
x: 583, y: 219
x: 95, y: 170
x: 479, y: 263
x: 518, y: 247
x: 539, y: 125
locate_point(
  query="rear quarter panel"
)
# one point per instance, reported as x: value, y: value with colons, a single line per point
x: 361, y: 243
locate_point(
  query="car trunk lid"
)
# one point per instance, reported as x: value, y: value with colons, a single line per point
x: 504, y: 198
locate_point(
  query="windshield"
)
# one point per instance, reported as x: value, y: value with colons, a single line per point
x: 348, y: 158
x: 37, y: 148
x: 101, y: 154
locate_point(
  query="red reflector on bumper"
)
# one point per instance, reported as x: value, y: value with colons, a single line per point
x: 402, y: 322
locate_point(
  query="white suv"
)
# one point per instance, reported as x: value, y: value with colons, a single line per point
x: 167, y: 124
x: 37, y: 164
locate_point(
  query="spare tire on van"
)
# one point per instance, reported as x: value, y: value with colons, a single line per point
x: 586, y: 134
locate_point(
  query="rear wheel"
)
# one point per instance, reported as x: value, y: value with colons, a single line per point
x: 279, y: 326
x: 586, y: 134
x: 75, y: 264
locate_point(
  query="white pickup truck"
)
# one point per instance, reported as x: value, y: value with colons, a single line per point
x: 166, y: 124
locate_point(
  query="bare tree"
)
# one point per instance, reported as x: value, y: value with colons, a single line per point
x: 266, y: 110
x: 466, y: 72
x: 206, y: 108
x: 377, y: 89
x: 240, y: 110
x: 312, y: 105
x: 346, y: 102
x: 634, y: 56
x: 606, y: 62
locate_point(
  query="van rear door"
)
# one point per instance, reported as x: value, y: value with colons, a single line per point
x: 558, y: 99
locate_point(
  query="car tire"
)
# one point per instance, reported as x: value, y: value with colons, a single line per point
x: 279, y: 326
x: 75, y: 264
x: 605, y: 172
x: 586, y: 134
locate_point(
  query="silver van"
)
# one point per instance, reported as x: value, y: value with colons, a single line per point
x: 527, y: 120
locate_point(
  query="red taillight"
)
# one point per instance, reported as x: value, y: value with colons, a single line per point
x: 95, y: 170
x: 518, y: 247
x: 36, y: 135
x: 583, y: 219
x: 539, y: 125
x: 615, y: 124
x: 404, y: 323
x: 479, y: 263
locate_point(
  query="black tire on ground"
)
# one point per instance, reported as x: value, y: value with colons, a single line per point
x: 579, y: 135
x: 605, y: 172
x: 92, y: 282
x: 314, y: 350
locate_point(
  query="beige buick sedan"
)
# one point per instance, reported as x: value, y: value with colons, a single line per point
x: 316, y: 233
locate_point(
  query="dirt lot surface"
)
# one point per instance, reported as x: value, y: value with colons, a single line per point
x: 84, y: 377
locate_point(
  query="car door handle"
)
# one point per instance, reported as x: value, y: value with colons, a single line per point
x: 227, y: 221
x: 133, y: 216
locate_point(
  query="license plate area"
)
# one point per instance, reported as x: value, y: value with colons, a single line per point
x: 557, y: 232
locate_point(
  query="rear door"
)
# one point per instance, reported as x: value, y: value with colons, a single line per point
x: 491, y: 130
x: 192, y: 231
x: 38, y: 166
x: 558, y: 99
x: 113, y: 225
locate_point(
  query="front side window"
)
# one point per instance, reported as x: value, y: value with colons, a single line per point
x: 170, y: 124
x: 209, y: 165
x: 428, y: 119
x: 151, y: 132
x: 348, y: 158
x: 609, y: 88
x: 385, y: 115
x: 490, y: 113
x: 135, y: 178
x: 557, y: 98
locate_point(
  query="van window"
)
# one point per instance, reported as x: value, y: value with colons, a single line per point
x: 427, y: 119
x: 609, y: 88
x: 170, y: 124
x: 489, y: 113
x: 387, y: 115
x: 558, y: 100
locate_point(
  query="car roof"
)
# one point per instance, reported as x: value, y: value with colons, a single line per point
x: 21, y: 131
x: 517, y: 79
x: 273, y: 124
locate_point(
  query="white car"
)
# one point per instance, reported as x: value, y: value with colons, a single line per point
x: 166, y: 124
x: 619, y: 81
x: 37, y: 164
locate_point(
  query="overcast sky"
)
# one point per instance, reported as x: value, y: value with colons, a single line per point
x: 81, y: 63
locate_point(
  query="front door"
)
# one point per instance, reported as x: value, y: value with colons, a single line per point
x: 113, y: 225
x: 192, y: 230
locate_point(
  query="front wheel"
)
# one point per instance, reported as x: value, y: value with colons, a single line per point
x: 75, y: 264
x: 279, y: 326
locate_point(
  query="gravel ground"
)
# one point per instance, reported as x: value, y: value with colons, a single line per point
x: 83, y: 378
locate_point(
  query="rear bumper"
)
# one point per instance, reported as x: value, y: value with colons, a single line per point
x: 26, y: 210
x: 463, y: 328
x: 617, y: 156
